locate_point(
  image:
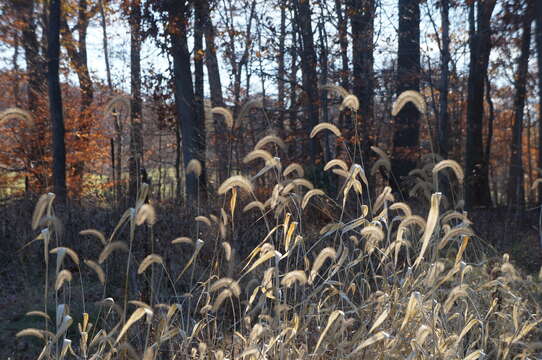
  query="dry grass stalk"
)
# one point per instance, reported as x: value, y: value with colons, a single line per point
x: 236, y: 181
x: 309, y: 195
x: 294, y: 167
x: 409, y: 96
x: 148, y: 261
x: 325, y: 126
x: 97, y: 269
x: 327, y: 253
x: 146, y: 214
x: 203, y: 219
x: 350, y: 102
x: 227, y: 250
x: 63, y: 275
x: 337, y: 89
x: 432, y: 220
x: 336, y: 162
x: 113, y: 246
x: 271, y: 139
x: 292, y: 277
x: 97, y: 234
x: 228, y: 116
x: 456, y: 168
x: 182, y: 240
x: 194, y: 167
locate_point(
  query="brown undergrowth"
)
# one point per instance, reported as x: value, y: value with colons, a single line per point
x: 300, y: 274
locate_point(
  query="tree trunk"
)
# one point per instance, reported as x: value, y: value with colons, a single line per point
x: 281, y: 73
x: 362, y: 14
x: 118, y: 156
x: 323, y: 55
x: 477, y: 169
x: 103, y: 23
x: 343, y: 43
x: 36, y: 82
x: 215, y: 86
x: 77, y: 52
x: 15, y: 62
x: 407, y: 123
x: 87, y: 93
x: 135, y: 161
x: 35, y: 65
x: 211, y: 60
x: 444, y: 79
x: 178, y: 161
x: 309, y: 77
x: 184, y: 91
x: 55, y: 101
x: 538, y: 18
x: 516, y: 190
x: 237, y: 66
x: 293, y: 118
x: 199, y: 95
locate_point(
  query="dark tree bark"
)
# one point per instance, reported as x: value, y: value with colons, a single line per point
x: 103, y: 24
x: 215, y: 86
x: 343, y: 43
x: 84, y: 79
x: 77, y: 52
x: 538, y: 18
x: 407, y: 122
x: 323, y: 58
x: 55, y: 101
x: 36, y: 70
x: 135, y: 160
x: 15, y: 62
x: 444, y: 80
x: 190, y: 131
x: 292, y: 118
x: 477, y: 169
x: 199, y: 92
x: 211, y: 60
x: 281, y: 73
x: 237, y: 66
x: 309, y: 76
x: 35, y: 64
x: 516, y: 190
x: 362, y: 20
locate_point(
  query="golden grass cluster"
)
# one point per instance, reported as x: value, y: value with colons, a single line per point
x: 373, y: 280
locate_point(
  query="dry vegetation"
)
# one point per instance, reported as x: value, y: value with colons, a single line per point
x: 367, y: 278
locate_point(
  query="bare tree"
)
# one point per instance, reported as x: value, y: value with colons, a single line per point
x: 443, y: 117
x: 198, y: 89
x: 303, y: 13
x: 516, y: 190
x: 362, y: 13
x: 407, y: 123
x: 35, y: 63
x: 538, y: 18
x: 215, y: 83
x: 135, y: 160
x: 103, y: 23
x: 191, y: 132
x: 342, y: 23
x: 55, y: 101
x: 477, y: 169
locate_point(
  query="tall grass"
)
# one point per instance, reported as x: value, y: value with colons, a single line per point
x: 333, y: 277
